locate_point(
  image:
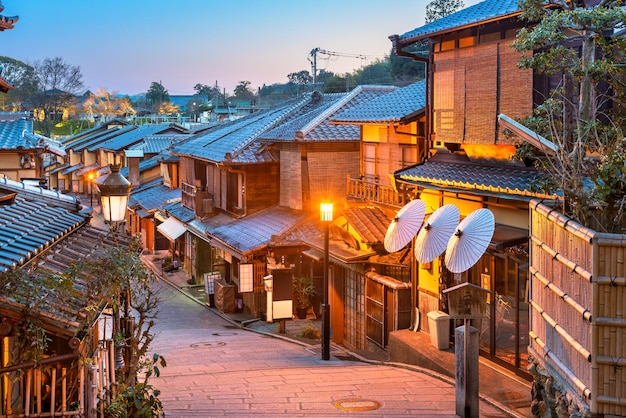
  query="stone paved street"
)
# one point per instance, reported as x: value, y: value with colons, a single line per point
x: 215, y: 368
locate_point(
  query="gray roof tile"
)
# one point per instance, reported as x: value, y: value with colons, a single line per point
x: 392, y: 107
x: 506, y: 181
x: 473, y: 15
x: 17, y: 134
x: 312, y: 124
x: 254, y: 231
x: 27, y: 227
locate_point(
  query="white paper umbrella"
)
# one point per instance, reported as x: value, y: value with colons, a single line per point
x: 433, y: 238
x: 470, y: 240
x: 405, y: 225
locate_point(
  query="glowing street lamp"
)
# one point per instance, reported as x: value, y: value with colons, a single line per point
x: 114, y: 192
x: 326, y: 216
x: 90, y: 189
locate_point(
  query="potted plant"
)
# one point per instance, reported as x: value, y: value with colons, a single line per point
x: 303, y: 288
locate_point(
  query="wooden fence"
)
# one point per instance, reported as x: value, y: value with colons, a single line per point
x: 578, y: 300
x: 52, y: 390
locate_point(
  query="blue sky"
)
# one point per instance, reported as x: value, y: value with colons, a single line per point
x: 124, y: 46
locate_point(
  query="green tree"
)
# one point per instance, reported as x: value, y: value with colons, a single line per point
x: 379, y: 72
x: 405, y: 70
x: 437, y: 9
x: 157, y: 95
x: 583, y: 118
x: 58, y: 82
x: 243, y: 92
x: 22, y: 77
x: 300, y: 78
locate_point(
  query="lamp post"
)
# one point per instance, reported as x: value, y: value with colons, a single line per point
x: 326, y: 215
x: 91, y: 189
x: 114, y: 191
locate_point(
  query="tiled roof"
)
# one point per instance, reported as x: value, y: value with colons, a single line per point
x: 154, y: 144
x: 75, y: 140
x: 403, y: 103
x: 470, y: 16
x: 143, y: 166
x: 511, y: 182
x: 310, y: 232
x: 62, y: 315
x: 232, y: 139
x: 312, y: 124
x: 256, y: 230
x: 370, y: 223
x: 129, y: 137
x: 39, y: 194
x: 180, y: 212
x: 27, y: 227
x: 154, y: 197
x: 14, y: 135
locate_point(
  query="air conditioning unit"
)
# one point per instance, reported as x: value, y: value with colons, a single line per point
x: 207, y: 206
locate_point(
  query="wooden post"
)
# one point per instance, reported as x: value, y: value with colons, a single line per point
x: 466, y: 375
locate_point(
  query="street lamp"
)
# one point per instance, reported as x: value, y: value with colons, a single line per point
x: 90, y: 189
x: 114, y: 191
x: 326, y: 215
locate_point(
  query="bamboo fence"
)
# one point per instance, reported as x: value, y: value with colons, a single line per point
x: 44, y: 390
x: 578, y: 299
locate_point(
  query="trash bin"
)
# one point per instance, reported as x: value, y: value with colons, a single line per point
x: 439, y: 325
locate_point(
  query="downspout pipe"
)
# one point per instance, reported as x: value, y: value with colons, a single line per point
x: 398, y: 49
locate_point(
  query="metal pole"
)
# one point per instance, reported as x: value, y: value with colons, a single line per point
x: 326, y: 306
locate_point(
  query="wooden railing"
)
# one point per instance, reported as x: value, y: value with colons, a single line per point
x: 51, y: 389
x: 370, y: 192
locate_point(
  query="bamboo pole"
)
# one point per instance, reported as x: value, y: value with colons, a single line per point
x: 562, y: 259
x: 586, y: 314
x: 562, y: 332
x: 64, y: 388
x: 53, y: 389
x: 567, y: 373
x: 37, y: 373
x: 29, y: 378
x: 595, y: 334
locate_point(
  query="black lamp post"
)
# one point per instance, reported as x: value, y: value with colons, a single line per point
x: 326, y: 215
x: 114, y: 191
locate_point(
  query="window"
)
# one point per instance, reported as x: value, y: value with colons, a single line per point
x: 409, y: 156
x: 370, y: 161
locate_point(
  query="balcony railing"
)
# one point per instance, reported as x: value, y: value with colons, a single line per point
x: 370, y: 192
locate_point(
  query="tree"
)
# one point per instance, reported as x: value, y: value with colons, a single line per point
x: 57, y: 85
x: 157, y: 95
x: 107, y: 105
x: 405, y: 70
x: 243, y: 92
x: 22, y: 77
x: 437, y: 9
x: 300, y: 78
x: 582, y: 116
x: 379, y: 72
x: 212, y: 92
x: 126, y: 285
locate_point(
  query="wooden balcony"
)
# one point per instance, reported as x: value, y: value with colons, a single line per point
x: 370, y: 192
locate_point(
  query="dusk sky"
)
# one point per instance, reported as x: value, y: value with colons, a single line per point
x: 124, y: 46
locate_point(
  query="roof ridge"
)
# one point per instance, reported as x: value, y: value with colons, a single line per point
x: 340, y: 103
